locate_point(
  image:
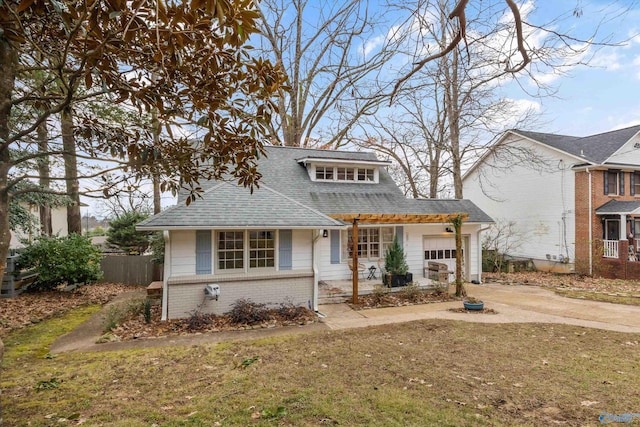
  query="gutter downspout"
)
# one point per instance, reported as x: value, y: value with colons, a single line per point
x: 315, y: 238
x: 590, y: 225
x: 167, y: 274
x: 480, y: 252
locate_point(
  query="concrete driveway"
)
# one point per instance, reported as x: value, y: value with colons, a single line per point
x: 514, y: 304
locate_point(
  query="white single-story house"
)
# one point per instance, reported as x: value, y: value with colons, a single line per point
x: 274, y: 245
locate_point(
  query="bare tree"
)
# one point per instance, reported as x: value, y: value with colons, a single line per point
x: 333, y: 58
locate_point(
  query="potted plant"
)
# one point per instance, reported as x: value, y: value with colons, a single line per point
x: 396, y: 267
x: 471, y: 303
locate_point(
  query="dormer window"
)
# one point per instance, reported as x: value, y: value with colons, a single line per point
x: 344, y: 170
x: 365, y: 175
x: 324, y: 173
x: 345, y: 174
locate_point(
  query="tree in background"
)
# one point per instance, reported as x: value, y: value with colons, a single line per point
x: 333, y: 59
x: 122, y: 233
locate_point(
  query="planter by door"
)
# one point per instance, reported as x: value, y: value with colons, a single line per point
x: 397, y: 280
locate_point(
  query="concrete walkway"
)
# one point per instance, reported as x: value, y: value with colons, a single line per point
x: 514, y: 304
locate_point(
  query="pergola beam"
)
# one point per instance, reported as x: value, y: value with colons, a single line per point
x: 398, y: 218
x: 378, y: 218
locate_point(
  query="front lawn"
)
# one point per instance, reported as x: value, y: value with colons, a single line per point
x: 432, y: 372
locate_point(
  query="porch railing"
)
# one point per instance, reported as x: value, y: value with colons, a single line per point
x: 610, y: 248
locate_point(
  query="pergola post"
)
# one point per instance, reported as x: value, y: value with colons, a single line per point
x: 354, y: 258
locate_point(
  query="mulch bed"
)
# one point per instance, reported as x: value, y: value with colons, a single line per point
x: 136, y: 327
x: 401, y: 298
x: 464, y: 310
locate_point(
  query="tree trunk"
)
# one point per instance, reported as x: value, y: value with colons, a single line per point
x: 155, y: 177
x: 45, y: 181
x: 74, y: 218
x: 453, y: 111
x: 8, y: 66
x: 457, y: 227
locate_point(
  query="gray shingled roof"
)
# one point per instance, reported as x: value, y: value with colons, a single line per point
x: 619, y: 206
x: 230, y: 205
x: 594, y: 148
x: 286, y: 178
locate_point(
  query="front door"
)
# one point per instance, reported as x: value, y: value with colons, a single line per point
x: 611, y: 229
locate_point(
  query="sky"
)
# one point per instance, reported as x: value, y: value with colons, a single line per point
x: 605, y: 94
x: 599, y: 96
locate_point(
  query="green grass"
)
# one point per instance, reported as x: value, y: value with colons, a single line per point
x: 435, y: 372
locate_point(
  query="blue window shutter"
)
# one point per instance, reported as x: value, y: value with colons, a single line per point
x: 334, y: 236
x: 606, y: 182
x: 285, y: 250
x: 621, y: 183
x: 400, y: 235
x: 632, y: 183
x: 203, y: 251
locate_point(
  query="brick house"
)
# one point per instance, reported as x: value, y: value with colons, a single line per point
x: 575, y: 200
x: 276, y: 243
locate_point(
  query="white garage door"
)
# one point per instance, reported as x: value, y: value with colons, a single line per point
x: 441, y: 249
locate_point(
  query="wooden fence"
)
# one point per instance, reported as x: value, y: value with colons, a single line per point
x: 130, y: 269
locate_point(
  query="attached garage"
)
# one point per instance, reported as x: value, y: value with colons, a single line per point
x: 443, y: 250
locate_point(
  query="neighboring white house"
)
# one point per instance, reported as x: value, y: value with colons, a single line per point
x: 553, y: 188
x: 277, y: 243
x: 58, y: 225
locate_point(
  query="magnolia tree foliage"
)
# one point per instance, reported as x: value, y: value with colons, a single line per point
x: 187, y: 61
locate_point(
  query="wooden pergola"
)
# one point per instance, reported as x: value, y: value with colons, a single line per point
x: 378, y: 218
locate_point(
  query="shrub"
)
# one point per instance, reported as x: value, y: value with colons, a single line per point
x: 412, y: 292
x: 118, y: 313
x: 290, y: 312
x: 247, y: 312
x: 59, y: 260
x: 395, y: 261
x: 122, y: 233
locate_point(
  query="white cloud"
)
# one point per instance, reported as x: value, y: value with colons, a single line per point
x: 372, y: 44
x: 610, y: 61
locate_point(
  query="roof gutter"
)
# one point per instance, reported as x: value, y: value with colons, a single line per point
x: 590, y: 223
x: 480, y: 252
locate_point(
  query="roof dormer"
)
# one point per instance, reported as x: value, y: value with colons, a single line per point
x: 343, y: 170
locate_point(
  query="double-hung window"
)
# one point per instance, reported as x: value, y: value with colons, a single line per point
x: 231, y: 250
x: 372, y: 242
x: 613, y: 182
x: 635, y: 183
x: 262, y: 249
x: 257, y: 247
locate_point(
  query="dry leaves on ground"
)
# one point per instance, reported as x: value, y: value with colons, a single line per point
x: 28, y: 308
x: 136, y: 326
x: 566, y: 281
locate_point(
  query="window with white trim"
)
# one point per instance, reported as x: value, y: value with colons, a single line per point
x: 324, y: 173
x: 230, y: 250
x: 365, y: 174
x: 611, y: 182
x: 345, y: 174
x: 262, y: 249
x: 372, y: 242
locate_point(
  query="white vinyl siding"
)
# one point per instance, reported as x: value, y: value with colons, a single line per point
x: 541, y: 202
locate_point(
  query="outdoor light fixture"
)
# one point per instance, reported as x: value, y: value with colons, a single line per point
x: 448, y: 230
x: 325, y: 233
